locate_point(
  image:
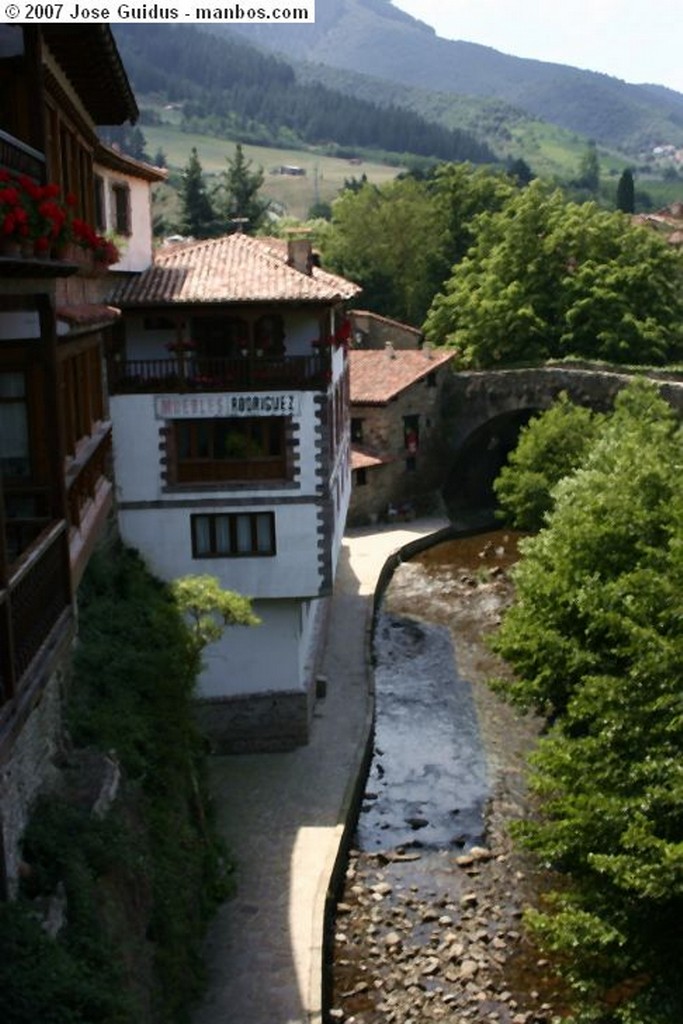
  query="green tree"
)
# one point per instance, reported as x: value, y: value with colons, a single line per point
x: 595, y: 637
x: 208, y: 608
x: 241, y: 208
x: 546, y: 278
x: 400, y: 241
x: 386, y: 239
x: 550, y: 447
x: 198, y: 218
x: 626, y: 193
x: 589, y: 170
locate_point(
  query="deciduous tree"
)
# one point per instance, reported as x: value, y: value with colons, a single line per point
x: 546, y: 278
x: 551, y: 446
x: 595, y: 638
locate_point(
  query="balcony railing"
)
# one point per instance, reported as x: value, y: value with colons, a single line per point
x: 196, y: 373
x: 86, y: 472
x: 36, y: 596
x: 22, y: 159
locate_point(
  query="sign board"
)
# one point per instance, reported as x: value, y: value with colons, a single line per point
x: 241, y: 403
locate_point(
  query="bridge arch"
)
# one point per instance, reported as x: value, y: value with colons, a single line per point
x: 484, y: 412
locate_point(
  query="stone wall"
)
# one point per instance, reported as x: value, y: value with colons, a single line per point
x: 474, y: 398
x: 31, y: 767
x: 383, y: 432
x: 377, y: 330
x: 256, y: 723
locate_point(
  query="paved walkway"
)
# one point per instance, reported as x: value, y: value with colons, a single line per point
x: 282, y: 816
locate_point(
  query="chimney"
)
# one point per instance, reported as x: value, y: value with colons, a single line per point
x: 389, y: 349
x: 300, y: 255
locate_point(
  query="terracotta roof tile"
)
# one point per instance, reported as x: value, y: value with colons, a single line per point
x: 363, y: 458
x: 378, y: 375
x: 386, y: 320
x: 235, y: 268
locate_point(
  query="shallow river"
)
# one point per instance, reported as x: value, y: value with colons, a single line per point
x: 430, y: 776
x: 428, y: 923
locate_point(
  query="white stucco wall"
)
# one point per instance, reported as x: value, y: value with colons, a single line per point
x: 137, y: 458
x: 256, y: 659
x: 137, y: 247
x: 162, y: 534
x: 163, y: 538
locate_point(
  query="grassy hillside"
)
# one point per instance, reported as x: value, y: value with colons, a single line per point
x: 324, y: 176
x: 359, y: 35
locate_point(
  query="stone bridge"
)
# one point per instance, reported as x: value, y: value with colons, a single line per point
x: 485, y: 410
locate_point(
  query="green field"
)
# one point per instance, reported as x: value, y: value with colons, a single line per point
x: 324, y: 177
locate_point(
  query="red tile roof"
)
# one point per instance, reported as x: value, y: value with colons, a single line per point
x: 235, y: 268
x: 378, y: 375
x: 363, y: 458
x: 404, y: 328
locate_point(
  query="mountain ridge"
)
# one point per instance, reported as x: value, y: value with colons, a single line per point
x: 374, y: 37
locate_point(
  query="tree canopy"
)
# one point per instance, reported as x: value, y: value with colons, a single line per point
x: 547, y: 279
x: 595, y: 639
x: 400, y: 240
x: 550, y: 447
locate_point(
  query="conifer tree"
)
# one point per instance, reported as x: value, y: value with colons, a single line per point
x: 626, y: 192
x: 198, y: 217
x: 242, y: 210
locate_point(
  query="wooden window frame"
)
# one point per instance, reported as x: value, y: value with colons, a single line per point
x: 231, y: 520
x: 121, y: 208
x: 195, y: 468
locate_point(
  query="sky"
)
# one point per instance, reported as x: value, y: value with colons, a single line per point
x: 635, y: 40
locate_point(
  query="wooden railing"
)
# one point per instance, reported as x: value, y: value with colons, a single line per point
x: 196, y: 373
x: 37, y: 594
x: 85, y: 472
x: 22, y: 159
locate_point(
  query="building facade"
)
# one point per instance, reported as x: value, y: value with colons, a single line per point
x: 229, y: 399
x: 56, y: 85
x: 395, y: 412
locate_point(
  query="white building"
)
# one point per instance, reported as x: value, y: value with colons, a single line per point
x: 122, y: 205
x: 231, y: 439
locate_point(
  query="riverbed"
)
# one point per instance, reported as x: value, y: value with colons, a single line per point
x: 429, y: 926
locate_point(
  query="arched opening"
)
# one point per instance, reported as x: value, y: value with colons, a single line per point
x: 468, y: 487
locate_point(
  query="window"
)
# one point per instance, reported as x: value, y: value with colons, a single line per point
x: 269, y: 335
x: 100, y: 213
x: 239, y: 448
x: 233, y: 535
x: 356, y: 430
x: 411, y: 434
x: 431, y: 379
x: 121, y: 195
x: 221, y: 336
x: 15, y: 459
x: 361, y: 477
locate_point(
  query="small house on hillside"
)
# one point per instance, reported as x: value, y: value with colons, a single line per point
x: 395, y: 405
x: 229, y: 400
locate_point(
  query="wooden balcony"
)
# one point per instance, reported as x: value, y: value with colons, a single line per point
x: 34, y: 605
x: 16, y: 156
x: 197, y: 373
x: 86, y: 471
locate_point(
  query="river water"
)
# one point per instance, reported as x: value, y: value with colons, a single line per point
x: 430, y: 777
x: 428, y: 924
